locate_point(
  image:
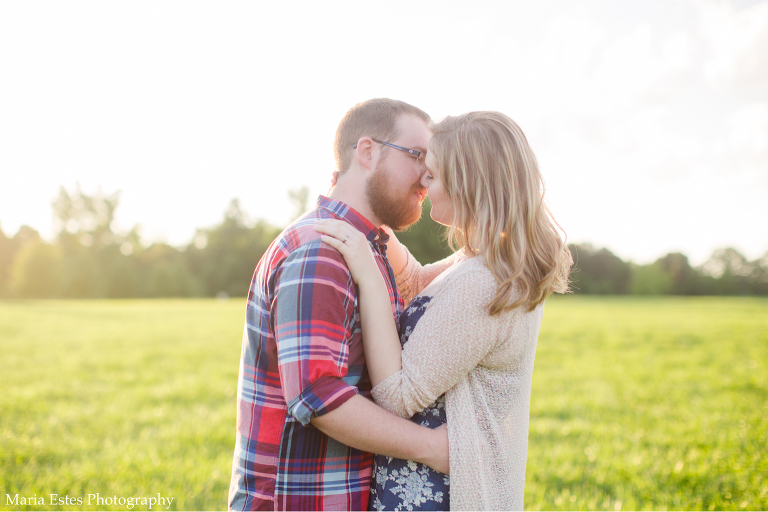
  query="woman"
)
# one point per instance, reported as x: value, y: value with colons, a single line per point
x: 468, y: 337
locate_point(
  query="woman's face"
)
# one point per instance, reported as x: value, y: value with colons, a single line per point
x: 442, y: 208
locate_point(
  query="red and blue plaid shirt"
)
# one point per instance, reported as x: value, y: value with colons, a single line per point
x: 302, y: 357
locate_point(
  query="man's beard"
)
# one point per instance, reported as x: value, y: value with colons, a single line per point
x: 396, y: 212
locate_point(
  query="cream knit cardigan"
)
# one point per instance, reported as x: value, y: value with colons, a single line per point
x: 484, y: 365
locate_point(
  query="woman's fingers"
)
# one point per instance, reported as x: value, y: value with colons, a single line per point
x: 342, y: 237
x: 333, y: 223
x: 333, y: 228
x: 335, y: 243
x: 352, y: 245
x: 340, y: 230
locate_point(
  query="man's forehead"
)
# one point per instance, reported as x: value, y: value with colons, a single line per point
x: 414, y: 131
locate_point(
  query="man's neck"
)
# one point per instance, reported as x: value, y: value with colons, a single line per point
x: 355, y: 197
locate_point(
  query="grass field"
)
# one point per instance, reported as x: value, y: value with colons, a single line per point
x: 658, y: 403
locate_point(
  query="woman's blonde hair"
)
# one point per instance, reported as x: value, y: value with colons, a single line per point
x: 492, y: 178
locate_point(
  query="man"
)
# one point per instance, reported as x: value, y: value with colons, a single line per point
x: 306, y: 428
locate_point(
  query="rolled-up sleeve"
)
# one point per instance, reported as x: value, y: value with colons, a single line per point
x: 313, y: 316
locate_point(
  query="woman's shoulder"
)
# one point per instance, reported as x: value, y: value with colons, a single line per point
x: 469, y: 284
x: 471, y: 265
x: 473, y: 282
x: 474, y: 273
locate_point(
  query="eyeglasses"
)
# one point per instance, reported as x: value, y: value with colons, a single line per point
x: 420, y: 156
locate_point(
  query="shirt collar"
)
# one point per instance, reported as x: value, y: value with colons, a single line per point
x: 349, y: 214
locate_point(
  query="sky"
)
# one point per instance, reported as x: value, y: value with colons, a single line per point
x: 649, y: 119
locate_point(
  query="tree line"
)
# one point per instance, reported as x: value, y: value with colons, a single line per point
x: 726, y: 272
x: 89, y: 258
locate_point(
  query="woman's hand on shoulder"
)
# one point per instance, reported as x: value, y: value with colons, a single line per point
x: 353, y: 245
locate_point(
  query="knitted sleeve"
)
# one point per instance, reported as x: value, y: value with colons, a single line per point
x: 452, y: 337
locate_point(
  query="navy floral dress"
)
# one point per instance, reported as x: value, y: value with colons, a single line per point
x: 404, y: 484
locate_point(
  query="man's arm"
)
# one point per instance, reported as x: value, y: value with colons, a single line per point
x: 313, y: 314
x: 361, y: 424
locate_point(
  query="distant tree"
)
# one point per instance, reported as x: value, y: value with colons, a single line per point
x: 6, y: 258
x: 90, y: 259
x: 759, y: 275
x: 650, y: 280
x: 125, y: 270
x: 166, y: 272
x: 9, y: 248
x: 425, y: 239
x: 35, y: 271
x: 731, y: 273
x: 598, y: 271
x: 684, y: 280
x: 89, y: 246
x: 124, y: 278
x: 300, y: 199
x: 88, y: 218
x: 224, y: 257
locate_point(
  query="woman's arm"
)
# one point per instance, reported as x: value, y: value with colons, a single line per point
x: 380, y: 339
x: 457, y: 332
x: 452, y: 337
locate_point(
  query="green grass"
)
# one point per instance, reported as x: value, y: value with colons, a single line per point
x: 127, y: 398
x: 658, y: 403
x: 650, y: 404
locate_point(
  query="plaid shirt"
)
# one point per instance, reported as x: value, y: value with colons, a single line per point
x: 302, y: 357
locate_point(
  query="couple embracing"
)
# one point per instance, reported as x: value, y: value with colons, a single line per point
x: 340, y: 312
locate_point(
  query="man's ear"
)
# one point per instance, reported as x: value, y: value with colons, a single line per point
x: 364, y: 152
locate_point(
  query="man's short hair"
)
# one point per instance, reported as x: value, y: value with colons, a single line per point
x: 374, y: 118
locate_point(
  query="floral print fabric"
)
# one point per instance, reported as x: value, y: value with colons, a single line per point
x: 404, y: 484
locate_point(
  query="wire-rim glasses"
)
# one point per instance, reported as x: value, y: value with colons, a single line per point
x: 418, y: 155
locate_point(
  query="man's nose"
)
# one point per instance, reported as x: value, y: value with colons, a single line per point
x: 421, y: 172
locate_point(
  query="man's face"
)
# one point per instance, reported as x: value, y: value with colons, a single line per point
x: 394, y: 190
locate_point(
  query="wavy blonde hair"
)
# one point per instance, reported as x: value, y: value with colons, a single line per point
x: 493, y: 181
